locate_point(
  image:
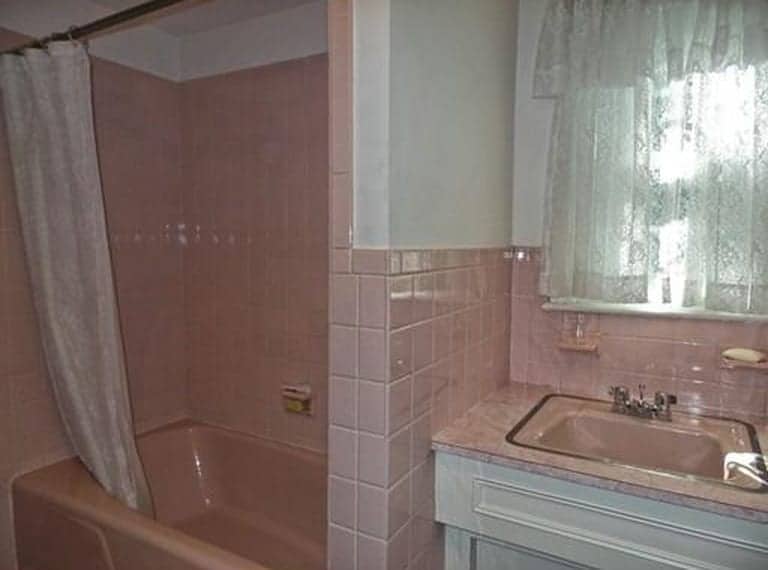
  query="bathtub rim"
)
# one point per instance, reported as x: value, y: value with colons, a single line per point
x: 95, y: 505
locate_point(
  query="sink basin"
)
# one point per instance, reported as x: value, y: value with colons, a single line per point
x: 689, y: 445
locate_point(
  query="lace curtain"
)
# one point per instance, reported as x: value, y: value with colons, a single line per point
x: 658, y: 175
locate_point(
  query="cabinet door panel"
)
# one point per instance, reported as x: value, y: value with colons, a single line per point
x: 494, y: 556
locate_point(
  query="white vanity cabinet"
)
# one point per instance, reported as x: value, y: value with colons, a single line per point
x: 500, y: 518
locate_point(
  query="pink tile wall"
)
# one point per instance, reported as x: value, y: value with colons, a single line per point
x: 255, y: 168
x: 676, y: 355
x: 140, y: 202
x: 417, y: 338
x: 138, y: 122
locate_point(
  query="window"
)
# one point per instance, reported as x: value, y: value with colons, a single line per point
x: 658, y: 183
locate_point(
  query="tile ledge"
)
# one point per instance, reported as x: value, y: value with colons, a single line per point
x: 581, y: 306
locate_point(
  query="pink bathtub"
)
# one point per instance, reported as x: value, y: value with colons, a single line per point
x: 224, y: 501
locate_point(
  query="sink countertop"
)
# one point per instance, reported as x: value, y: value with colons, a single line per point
x: 480, y: 434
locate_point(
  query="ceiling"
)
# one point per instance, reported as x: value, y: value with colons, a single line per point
x: 194, y: 16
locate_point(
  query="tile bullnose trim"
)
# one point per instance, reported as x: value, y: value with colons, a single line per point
x: 394, y: 262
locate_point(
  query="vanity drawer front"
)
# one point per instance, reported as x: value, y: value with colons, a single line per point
x: 591, y: 526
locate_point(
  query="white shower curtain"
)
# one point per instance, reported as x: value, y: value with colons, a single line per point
x: 49, y: 119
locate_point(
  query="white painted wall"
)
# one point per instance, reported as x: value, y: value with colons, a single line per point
x: 533, y: 122
x: 371, y: 122
x: 280, y: 36
x: 452, y: 105
x: 434, y: 102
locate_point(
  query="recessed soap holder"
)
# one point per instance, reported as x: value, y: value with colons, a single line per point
x: 576, y: 336
x: 297, y: 399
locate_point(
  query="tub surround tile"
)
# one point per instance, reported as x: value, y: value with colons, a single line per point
x: 217, y: 289
x: 144, y: 208
x: 256, y: 202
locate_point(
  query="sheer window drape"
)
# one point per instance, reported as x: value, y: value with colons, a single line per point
x: 658, y: 175
x: 49, y: 121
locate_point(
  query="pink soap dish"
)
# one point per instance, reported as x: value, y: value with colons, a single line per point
x: 590, y: 343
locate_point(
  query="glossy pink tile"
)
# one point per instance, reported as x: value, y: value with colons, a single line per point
x: 341, y: 548
x: 342, y: 502
x: 371, y: 261
x: 373, y: 301
x: 342, y: 452
x: 371, y: 553
x: 399, y: 403
x: 373, y: 354
x: 343, y: 351
x: 372, y: 511
x: 372, y: 404
x: 400, y: 353
x: 374, y: 459
x: 343, y: 402
x: 344, y: 297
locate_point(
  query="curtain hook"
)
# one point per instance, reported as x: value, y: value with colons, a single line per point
x: 70, y: 33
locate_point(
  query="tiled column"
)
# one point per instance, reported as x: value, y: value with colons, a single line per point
x: 342, y: 444
x: 416, y: 338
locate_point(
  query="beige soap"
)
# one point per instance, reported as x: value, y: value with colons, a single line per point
x: 745, y: 355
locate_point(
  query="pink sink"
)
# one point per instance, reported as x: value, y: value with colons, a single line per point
x: 688, y: 445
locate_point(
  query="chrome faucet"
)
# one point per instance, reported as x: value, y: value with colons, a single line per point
x: 660, y: 408
x: 751, y: 465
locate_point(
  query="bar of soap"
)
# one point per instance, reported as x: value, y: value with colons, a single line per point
x: 745, y: 355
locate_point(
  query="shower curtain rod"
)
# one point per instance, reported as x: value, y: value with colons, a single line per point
x: 78, y: 32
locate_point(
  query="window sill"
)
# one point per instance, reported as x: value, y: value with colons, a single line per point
x: 584, y: 306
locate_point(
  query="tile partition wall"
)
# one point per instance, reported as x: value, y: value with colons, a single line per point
x: 676, y: 355
x: 142, y: 205
x: 255, y: 168
x: 417, y: 338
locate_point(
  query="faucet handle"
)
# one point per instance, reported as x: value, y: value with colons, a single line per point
x: 619, y: 393
x: 663, y: 403
x: 612, y: 390
x: 663, y: 399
